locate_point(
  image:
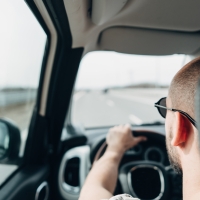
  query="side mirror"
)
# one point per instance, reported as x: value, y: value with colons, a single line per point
x: 10, y: 141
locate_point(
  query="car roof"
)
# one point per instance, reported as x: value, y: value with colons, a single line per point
x: 135, y: 26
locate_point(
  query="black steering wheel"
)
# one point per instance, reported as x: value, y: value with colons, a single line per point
x: 144, y: 179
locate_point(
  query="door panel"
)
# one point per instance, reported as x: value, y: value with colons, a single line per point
x: 43, y: 148
x: 24, y: 183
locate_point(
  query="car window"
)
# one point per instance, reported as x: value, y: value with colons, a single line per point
x: 22, y: 48
x: 114, y: 88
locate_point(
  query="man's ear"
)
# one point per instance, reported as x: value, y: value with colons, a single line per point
x: 181, y: 129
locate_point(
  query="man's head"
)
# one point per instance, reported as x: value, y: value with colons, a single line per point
x: 181, y: 135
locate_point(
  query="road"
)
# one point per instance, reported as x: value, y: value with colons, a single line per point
x: 91, y: 109
x: 135, y: 106
x: 95, y: 109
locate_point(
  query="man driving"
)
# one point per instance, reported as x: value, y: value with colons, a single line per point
x: 181, y: 141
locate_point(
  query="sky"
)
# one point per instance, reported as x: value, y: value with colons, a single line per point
x: 22, y: 47
x: 22, y: 43
x: 108, y: 69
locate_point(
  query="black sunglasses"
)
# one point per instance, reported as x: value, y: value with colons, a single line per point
x: 162, y: 109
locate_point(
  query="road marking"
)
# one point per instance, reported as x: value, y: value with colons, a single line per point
x: 110, y: 103
x: 135, y: 119
x: 78, y: 95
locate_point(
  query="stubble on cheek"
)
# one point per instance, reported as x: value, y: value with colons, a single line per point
x: 173, y: 155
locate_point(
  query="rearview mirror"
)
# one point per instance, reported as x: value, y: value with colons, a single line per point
x: 10, y: 141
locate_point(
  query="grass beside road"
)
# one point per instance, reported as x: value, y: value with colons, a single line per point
x: 20, y: 114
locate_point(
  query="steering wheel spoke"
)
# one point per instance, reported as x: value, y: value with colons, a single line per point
x: 144, y: 178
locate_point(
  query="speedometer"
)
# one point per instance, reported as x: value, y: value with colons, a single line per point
x: 137, y: 150
x: 154, y: 154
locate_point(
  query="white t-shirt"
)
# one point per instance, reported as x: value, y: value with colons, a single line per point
x: 123, y: 197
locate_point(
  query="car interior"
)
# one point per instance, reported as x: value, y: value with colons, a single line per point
x: 58, y: 152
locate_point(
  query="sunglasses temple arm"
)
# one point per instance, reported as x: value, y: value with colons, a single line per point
x: 157, y: 105
x: 174, y: 110
x: 188, y: 116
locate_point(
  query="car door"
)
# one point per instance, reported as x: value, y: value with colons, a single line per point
x: 23, y: 43
x: 34, y: 174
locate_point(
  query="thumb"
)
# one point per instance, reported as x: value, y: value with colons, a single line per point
x: 139, y: 139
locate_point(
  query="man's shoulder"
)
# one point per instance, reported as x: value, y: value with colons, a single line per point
x: 123, y: 197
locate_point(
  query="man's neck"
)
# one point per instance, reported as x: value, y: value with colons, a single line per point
x: 191, y: 180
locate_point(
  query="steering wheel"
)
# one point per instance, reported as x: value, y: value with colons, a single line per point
x: 144, y: 179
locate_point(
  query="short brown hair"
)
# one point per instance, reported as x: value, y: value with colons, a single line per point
x: 183, y: 87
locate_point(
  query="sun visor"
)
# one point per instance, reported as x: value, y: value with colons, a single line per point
x: 104, y: 10
x: 149, y: 42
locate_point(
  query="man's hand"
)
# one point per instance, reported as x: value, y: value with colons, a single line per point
x: 120, y: 139
x: 102, y: 179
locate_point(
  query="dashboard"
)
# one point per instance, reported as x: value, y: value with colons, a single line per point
x: 144, y: 171
x: 148, y: 151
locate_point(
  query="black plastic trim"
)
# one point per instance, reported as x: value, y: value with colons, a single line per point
x: 38, y: 16
x: 38, y: 124
x: 25, y: 183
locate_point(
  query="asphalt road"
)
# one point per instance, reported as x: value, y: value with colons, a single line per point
x: 98, y: 109
x: 135, y: 106
x: 92, y: 109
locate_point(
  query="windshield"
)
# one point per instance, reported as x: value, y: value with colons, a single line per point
x: 114, y: 88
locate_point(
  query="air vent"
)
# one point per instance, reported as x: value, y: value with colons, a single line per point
x: 73, y: 170
x: 71, y: 175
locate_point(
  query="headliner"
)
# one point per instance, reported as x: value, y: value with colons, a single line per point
x: 154, y: 27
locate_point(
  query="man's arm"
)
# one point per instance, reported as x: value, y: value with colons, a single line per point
x: 101, y: 181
